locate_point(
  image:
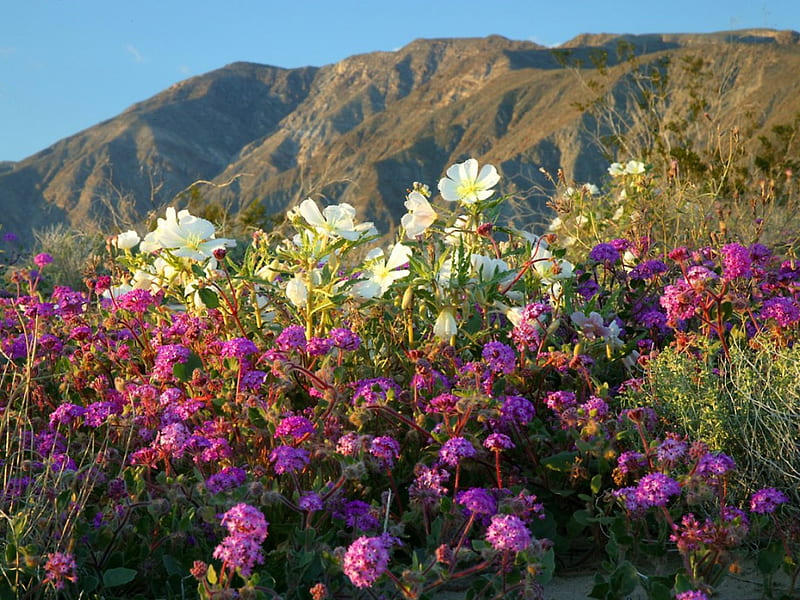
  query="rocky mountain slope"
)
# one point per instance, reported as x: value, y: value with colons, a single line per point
x: 363, y: 129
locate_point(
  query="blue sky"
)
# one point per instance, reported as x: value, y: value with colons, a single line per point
x: 66, y: 65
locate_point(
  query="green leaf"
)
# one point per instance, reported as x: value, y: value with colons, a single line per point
x: 172, y: 566
x: 11, y: 553
x: 597, y: 483
x: 88, y: 583
x: 208, y: 297
x: 211, y: 575
x: 118, y: 576
x: 562, y: 461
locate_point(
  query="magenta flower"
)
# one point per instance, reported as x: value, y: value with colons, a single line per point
x: 477, y: 501
x: 294, y: 427
x: 60, y: 567
x: 455, y: 449
x: 238, y: 348
x: 766, y: 500
x: 517, y: 409
x: 227, y: 479
x: 246, y: 520
x: 287, y: 459
x: 692, y: 595
x: 736, y: 261
x: 499, y: 357
x: 385, y: 449
x: 240, y: 552
x: 508, y: 533
x: 40, y: 260
x: 497, y: 442
x: 656, y: 489
x: 366, y: 560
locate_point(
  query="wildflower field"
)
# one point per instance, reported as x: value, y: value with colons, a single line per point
x: 311, y: 414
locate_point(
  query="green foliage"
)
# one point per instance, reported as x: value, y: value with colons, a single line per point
x: 747, y: 406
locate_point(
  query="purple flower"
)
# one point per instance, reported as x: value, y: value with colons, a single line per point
x: 40, y: 260
x: 477, y: 501
x: 136, y: 301
x: 497, y: 442
x: 238, y: 348
x: 766, y: 500
x: 294, y: 427
x: 692, y: 595
x: 344, y: 339
x: 358, y: 515
x: 173, y: 438
x: 630, y: 461
x: 604, y: 252
x: 294, y: 336
x: 310, y: 501
x: 240, y: 552
x: 428, y: 484
x: 365, y: 560
x: 287, y: 459
x: 66, y: 414
x: 712, y: 467
x: 656, y: 489
x: 648, y: 269
x: 245, y: 520
x: 785, y: 311
x: 385, y: 449
x: 227, y: 479
x: 671, y: 449
x: 517, y: 409
x: 499, y: 357
x: 735, y: 261
x: 167, y: 356
x: 680, y: 301
x: 455, y: 449
x: 444, y: 403
x: 349, y: 444
x: 377, y: 389
x: 508, y: 533
x: 560, y: 400
x: 60, y: 567
x: 318, y: 346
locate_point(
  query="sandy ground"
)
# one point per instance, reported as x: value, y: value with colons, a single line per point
x: 746, y: 585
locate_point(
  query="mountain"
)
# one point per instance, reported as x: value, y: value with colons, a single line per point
x: 363, y: 129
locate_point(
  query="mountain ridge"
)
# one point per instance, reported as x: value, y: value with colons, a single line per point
x: 362, y: 129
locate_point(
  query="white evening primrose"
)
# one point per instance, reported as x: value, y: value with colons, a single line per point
x: 380, y: 274
x: 334, y: 221
x: 419, y: 217
x: 634, y: 167
x: 616, y: 169
x: 445, y: 326
x: 126, y: 240
x: 465, y: 184
x: 185, y: 236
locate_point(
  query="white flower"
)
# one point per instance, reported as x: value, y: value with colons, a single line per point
x: 466, y: 185
x: 381, y: 274
x: 549, y: 268
x: 445, y: 326
x: 420, y: 215
x: 126, y: 240
x: 616, y: 169
x: 335, y: 221
x: 634, y: 167
x: 593, y: 327
x: 555, y: 224
x: 591, y: 189
x: 454, y: 235
x: 297, y: 290
x: 486, y: 267
x: 185, y: 236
